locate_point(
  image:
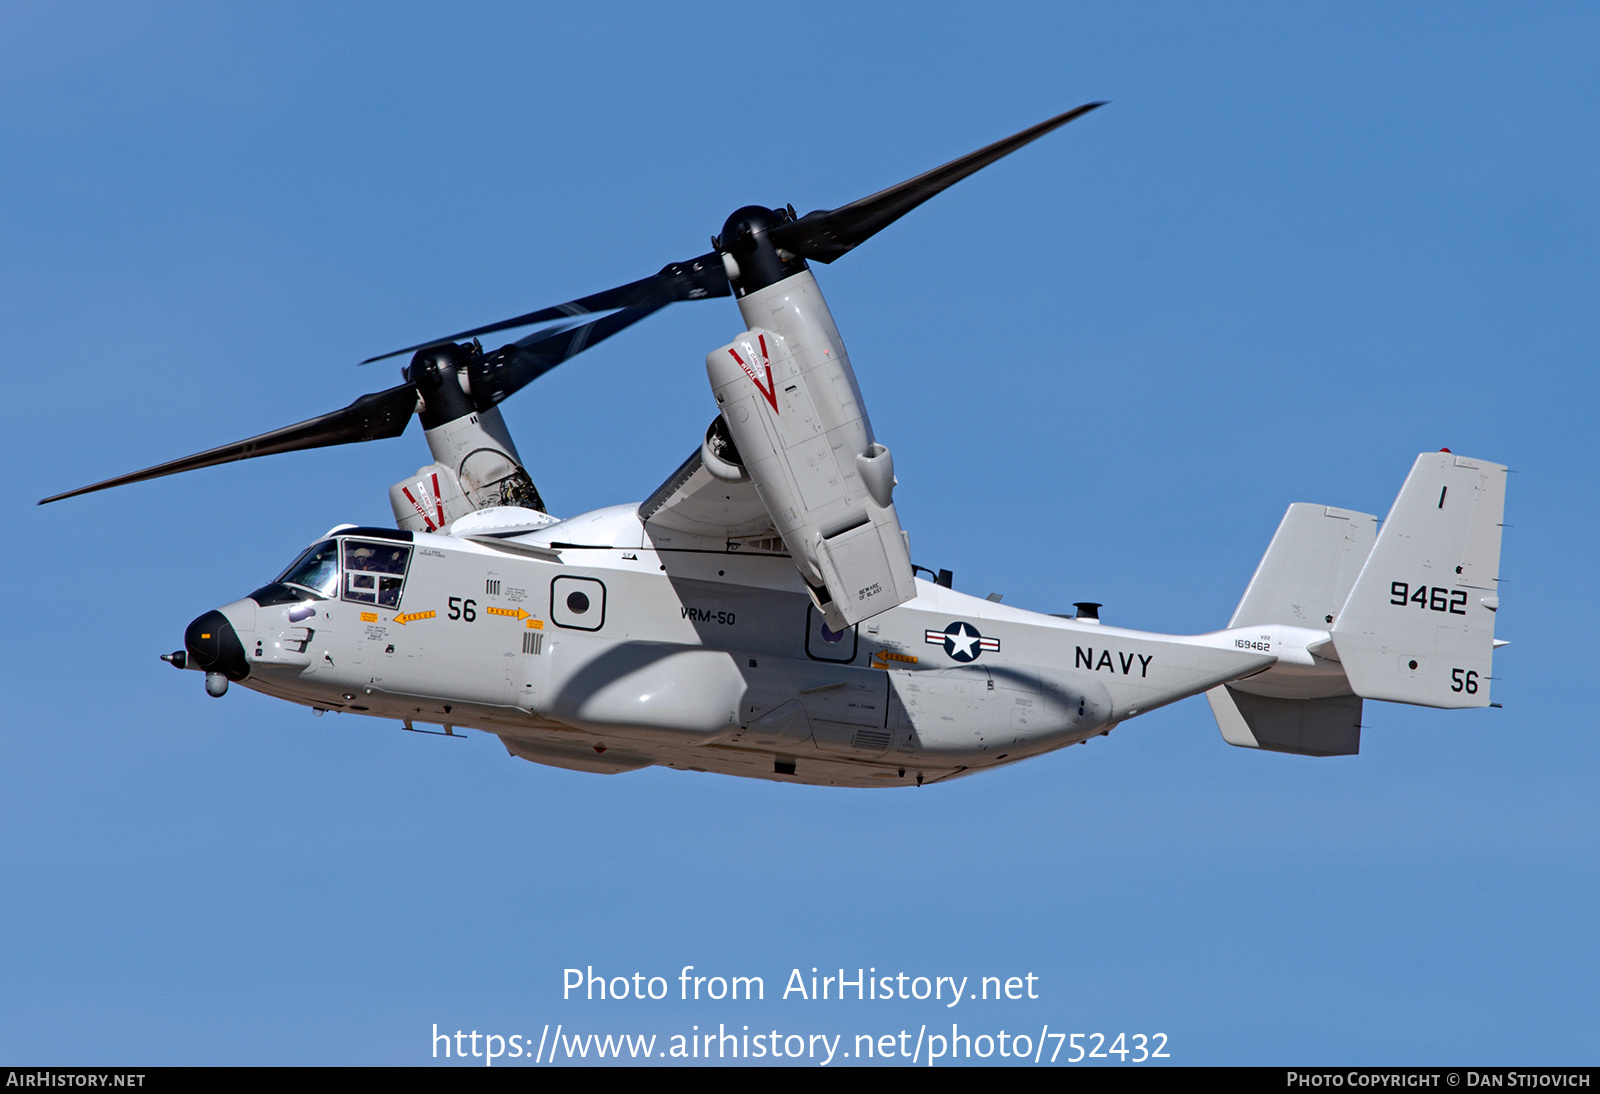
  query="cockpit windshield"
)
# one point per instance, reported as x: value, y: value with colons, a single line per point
x: 316, y: 570
x: 374, y: 571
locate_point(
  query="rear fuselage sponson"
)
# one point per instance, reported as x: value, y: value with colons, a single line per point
x: 583, y: 646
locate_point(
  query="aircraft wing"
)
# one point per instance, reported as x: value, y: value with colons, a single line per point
x: 694, y: 504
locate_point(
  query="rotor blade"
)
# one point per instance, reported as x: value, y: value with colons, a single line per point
x: 696, y: 279
x: 370, y: 418
x: 512, y: 367
x: 826, y: 234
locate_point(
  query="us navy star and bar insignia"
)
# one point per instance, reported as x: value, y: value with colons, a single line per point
x: 962, y: 641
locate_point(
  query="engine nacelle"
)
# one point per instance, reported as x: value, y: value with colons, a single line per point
x: 469, y: 440
x: 794, y: 412
x: 429, y: 501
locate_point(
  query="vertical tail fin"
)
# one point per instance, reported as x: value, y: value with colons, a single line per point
x: 1418, y: 625
x: 1308, y: 569
x: 1303, y: 579
x: 1305, y: 727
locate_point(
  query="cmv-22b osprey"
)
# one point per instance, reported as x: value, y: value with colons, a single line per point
x: 759, y: 614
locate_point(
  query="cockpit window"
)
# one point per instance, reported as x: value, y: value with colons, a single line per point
x: 316, y: 570
x: 375, y: 572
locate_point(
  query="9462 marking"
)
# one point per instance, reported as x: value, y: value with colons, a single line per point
x: 1453, y: 601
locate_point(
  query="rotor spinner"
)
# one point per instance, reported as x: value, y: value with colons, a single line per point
x: 749, y: 255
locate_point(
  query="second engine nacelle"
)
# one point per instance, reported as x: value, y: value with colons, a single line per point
x: 794, y: 414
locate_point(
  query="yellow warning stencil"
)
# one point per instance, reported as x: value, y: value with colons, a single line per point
x: 514, y: 613
x: 369, y: 617
x: 536, y: 624
x: 412, y: 617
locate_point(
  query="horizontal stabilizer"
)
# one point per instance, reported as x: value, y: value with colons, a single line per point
x: 1418, y: 626
x: 1305, y: 727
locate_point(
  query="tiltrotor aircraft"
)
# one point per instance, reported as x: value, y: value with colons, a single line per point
x: 759, y: 614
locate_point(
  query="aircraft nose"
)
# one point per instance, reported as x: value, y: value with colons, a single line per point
x: 214, y: 646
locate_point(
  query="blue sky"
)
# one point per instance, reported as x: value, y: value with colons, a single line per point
x: 1301, y: 245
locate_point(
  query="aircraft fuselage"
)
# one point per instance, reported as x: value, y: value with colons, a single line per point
x: 584, y: 646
